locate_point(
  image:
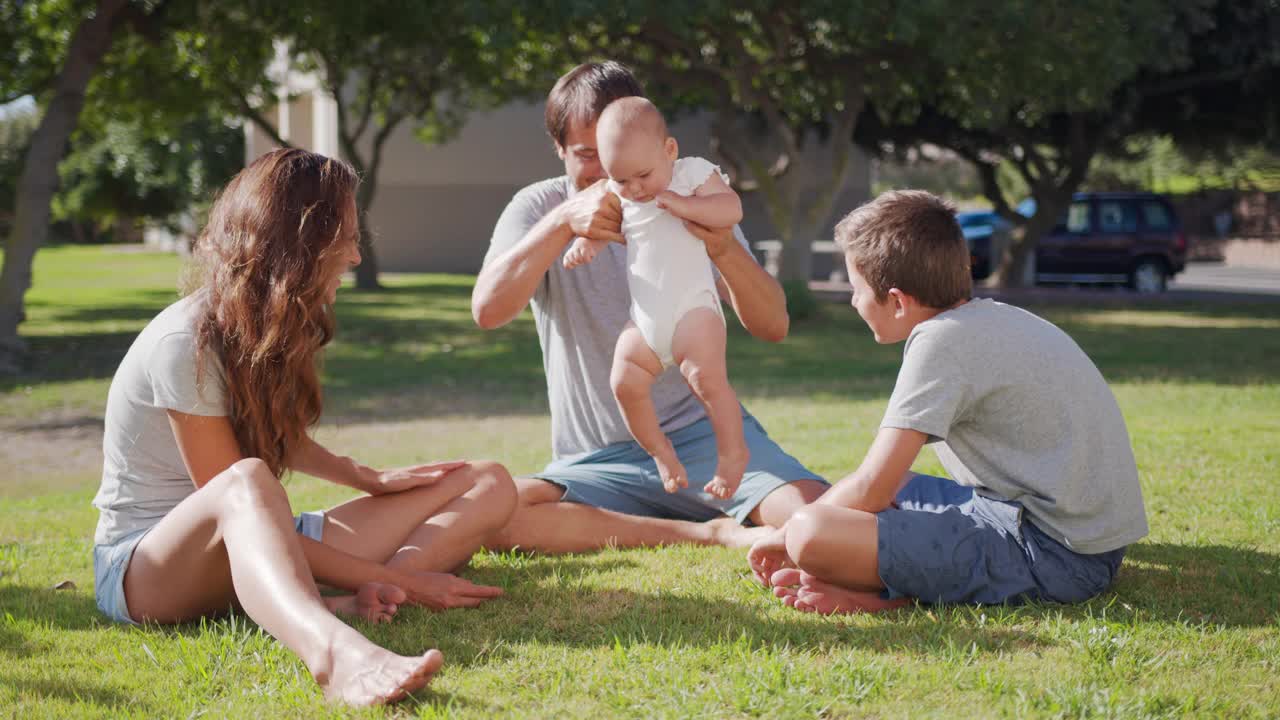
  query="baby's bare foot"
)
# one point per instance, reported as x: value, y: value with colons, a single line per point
x: 373, y: 601
x: 371, y: 675
x: 730, y: 467
x: 671, y: 471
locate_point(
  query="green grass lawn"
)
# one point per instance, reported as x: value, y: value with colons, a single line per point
x: 1190, y: 628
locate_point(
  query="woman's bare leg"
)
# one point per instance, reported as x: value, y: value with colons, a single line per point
x: 698, y: 347
x: 429, y: 529
x: 234, y: 540
x: 635, y: 367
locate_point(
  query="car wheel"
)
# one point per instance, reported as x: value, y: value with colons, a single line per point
x: 1149, y: 276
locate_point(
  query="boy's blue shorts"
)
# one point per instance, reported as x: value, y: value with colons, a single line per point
x: 623, y: 477
x: 946, y: 543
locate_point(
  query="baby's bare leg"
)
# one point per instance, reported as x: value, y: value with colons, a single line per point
x: 635, y: 367
x: 582, y: 251
x: 698, y: 347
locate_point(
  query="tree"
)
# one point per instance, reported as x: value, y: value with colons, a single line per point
x: 786, y: 81
x: 1123, y: 69
x: 158, y: 62
x: 390, y: 64
x: 88, y: 45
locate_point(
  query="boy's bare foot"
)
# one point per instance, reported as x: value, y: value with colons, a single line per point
x: 730, y: 467
x: 806, y: 593
x: 375, y: 602
x: 728, y: 532
x: 364, y: 674
x: 671, y: 470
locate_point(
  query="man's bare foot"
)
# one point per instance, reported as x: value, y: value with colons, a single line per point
x: 369, y: 675
x: 375, y: 602
x: 671, y: 471
x: 730, y: 467
x: 728, y: 532
x: 806, y: 593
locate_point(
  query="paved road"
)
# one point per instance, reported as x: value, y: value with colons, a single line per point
x: 1217, y: 277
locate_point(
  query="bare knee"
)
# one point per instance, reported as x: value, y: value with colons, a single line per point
x: 249, y: 481
x: 809, y: 534
x: 494, y: 490
x: 530, y: 492
x: 536, y: 491
x: 707, y: 384
x: 629, y: 383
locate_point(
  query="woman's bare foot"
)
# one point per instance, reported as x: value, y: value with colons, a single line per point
x: 375, y: 602
x: 807, y: 593
x: 671, y: 471
x: 364, y: 674
x: 730, y: 467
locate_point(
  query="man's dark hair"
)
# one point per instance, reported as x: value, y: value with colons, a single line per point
x: 581, y: 94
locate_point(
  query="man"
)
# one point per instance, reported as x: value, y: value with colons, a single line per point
x: 601, y: 488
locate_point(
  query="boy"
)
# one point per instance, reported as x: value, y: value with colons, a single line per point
x: 1045, y: 495
x: 676, y: 319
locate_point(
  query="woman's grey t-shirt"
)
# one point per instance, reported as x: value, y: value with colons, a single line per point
x: 143, y: 475
x: 1015, y: 407
x: 579, y: 315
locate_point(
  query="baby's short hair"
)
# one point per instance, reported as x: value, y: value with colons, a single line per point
x: 909, y: 239
x: 630, y: 115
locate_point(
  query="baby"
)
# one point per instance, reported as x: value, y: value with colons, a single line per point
x: 676, y: 317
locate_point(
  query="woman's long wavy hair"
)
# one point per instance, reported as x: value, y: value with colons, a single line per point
x: 264, y: 262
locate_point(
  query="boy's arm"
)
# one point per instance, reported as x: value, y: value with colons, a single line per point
x: 876, y: 482
x: 713, y: 204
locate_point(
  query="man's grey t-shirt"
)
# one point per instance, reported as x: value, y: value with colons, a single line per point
x: 1015, y: 407
x: 579, y: 315
x: 143, y: 475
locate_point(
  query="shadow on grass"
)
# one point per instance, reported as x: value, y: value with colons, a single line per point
x: 64, y: 609
x: 75, y: 692
x: 1216, y: 584
x: 412, y: 350
x: 547, y: 603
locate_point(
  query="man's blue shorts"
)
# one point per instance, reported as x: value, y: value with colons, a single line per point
x: 623, y: 477
x: 947, y: 543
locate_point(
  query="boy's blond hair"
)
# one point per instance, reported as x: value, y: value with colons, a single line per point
x: 910, y: 240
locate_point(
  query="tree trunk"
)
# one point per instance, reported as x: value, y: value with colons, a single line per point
x: 367, y: 270
x: 39, y: 179
x: 1017, y: 268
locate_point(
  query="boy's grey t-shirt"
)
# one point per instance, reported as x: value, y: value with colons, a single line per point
x: 143, y: 475
x: 579, y: 315
x: 1014, y: 406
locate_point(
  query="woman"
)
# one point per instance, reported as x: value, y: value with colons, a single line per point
x: 213, y: 402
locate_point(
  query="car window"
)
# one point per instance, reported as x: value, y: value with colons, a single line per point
x: 1115, y: 216
x: 1156, y: 216
x: 1078, y: 218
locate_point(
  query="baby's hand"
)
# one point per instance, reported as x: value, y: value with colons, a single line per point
x: 673, y: 203
x: 581, y: 252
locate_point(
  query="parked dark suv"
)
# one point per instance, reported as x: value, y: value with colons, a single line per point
x: 1130, y: 238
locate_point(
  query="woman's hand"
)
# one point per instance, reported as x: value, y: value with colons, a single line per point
x: 769, y: 555
x: 383, y: 482
x: 442, y: 591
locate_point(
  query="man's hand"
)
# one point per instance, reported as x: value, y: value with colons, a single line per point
x: 717, y: 240
x: 595, y: 213
x: 769, y: 555
x: 442, y: 591
x: 383, y: 482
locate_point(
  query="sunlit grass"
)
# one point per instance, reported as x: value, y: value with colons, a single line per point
x: 1189, y: 630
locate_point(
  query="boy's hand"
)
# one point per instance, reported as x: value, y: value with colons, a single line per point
x: 769, y: 555
x: 442, y: 591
